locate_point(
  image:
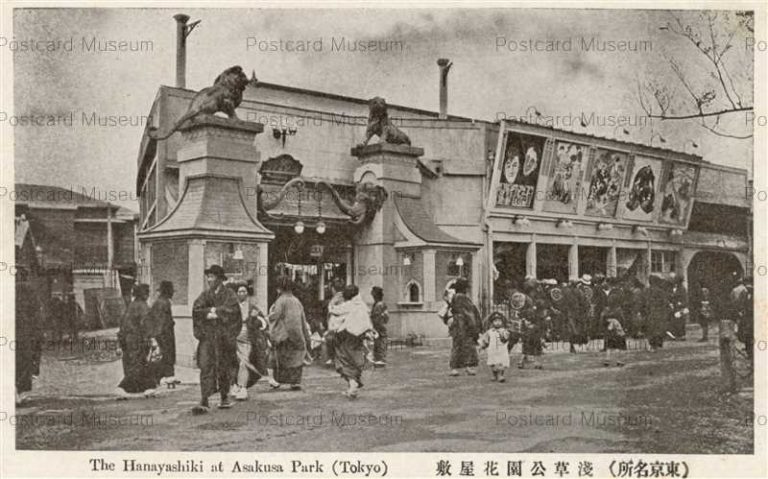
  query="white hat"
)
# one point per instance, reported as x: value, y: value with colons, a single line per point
x: 586, y: 279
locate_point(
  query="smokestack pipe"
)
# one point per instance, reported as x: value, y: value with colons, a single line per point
x: 181, y: 49
x: 445, y: 66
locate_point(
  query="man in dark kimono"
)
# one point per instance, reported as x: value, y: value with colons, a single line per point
x: 599, y: 299
x: 216, y: 324
x: 586, y: 289
x: 527, y: 304
x: 160, y: 327
x: 379, y: 319
x: 133, y: 340
x: 657, y: 309
x: 742, y: 313
x: 28, y: 335
x: 463, y: 321
x: 577, y: 308
x: 680, y: 307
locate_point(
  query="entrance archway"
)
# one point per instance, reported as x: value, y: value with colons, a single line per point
x: 713, y: 270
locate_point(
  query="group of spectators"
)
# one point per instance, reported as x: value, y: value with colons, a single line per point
x: 539, y: 312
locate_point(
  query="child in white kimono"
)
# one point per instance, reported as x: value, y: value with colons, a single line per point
x: 495, y: 341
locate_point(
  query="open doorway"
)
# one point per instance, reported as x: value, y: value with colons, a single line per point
x: 313, y: 261
x: 714, y: 271
x: 552, y: 261
x: 593, y: 260
x: 509, y: 260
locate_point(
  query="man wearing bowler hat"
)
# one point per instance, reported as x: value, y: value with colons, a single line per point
x: 216, y: 324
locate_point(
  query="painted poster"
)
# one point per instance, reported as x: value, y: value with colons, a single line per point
x: 606, y: 178
x: 564, y: 182
x: 677, y: 193
x: 519, y: 170
x: 640, y: 201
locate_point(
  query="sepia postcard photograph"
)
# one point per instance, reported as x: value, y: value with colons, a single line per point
x: 368, y: 240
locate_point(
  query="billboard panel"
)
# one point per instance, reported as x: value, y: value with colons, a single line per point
x: 519, y: 170
x: 640, y: 199
x: 606, y: 178
x: 677, y: 192
x: 564, y: 182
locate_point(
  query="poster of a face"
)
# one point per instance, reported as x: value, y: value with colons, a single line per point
x: 641, y: 197
x: 606, y: 179
x: 677, y: 193
x: 565, y: 177
x: 519, y: 170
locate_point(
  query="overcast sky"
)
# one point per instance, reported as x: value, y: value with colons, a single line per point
x: 486, y: 81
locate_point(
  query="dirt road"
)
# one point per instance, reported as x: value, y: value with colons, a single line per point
x: 663, y: 402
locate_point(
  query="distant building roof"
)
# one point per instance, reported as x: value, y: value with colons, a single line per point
x: 49, y: 196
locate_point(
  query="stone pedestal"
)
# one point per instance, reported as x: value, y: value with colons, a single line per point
x: 219, y: 146
x: 395, y: 167
x: 214, y: 221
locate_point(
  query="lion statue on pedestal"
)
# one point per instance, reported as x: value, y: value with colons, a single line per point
x: 224, y: 96
x: 380, y: 125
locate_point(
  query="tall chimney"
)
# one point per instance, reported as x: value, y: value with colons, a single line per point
x: 181, y: 49
x: 445, y: 66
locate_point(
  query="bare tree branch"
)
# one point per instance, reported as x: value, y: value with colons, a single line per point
x: 710, y: 97
x: 700, y: 115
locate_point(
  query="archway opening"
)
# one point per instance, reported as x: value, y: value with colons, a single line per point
x: 715, y: 271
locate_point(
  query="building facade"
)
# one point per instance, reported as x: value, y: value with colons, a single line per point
x: 85, y: 247
x: 287, y: 190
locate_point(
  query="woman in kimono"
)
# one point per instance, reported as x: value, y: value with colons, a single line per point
x: 463, y: 321
x: 657, y: 309
x: 160, y: 328
x: 354, y: 322
x: 289, y: 335
x: 133, y: 340
x: 29, y: 336
x: 251, y: 344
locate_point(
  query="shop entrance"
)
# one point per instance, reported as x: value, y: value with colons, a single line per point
x: 313, y: 261
x: 552, y: 261
x: 593, y: 260
x: 715, y: 271
x: 509, y: 260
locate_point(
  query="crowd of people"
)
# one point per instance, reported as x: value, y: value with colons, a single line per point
x: 541, y: 312
x: 238, y: 343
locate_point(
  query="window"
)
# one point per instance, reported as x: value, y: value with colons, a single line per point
x: 662, y: 261
x: 458, y: 266
x: 413, y: 292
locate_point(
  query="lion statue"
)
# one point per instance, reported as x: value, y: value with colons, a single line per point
x: 224, y: 96
x: 380, y: 125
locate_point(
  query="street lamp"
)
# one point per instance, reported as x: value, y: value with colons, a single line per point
x: 460, y: 264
